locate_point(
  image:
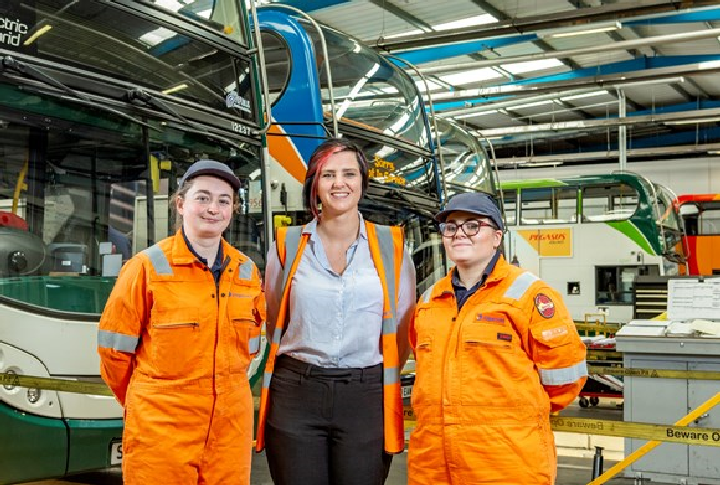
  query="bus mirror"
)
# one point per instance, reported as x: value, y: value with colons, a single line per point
x: 689, y: 210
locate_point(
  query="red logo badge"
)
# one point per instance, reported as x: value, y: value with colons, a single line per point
x: 544, y: 305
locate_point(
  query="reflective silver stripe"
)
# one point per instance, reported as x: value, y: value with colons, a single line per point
x: 391, y: 375
x: 521, y: 284
x: 292, y: 241
x: 254, y: 345
x: 559, y: 377
x: 158, y: 260
x: 277, y: 335
x: 245, y: 270
x: 389, y: 326
x: 266, y: 379
x: 117, y: 341
x: 426, y: 295
x: 387, y: 251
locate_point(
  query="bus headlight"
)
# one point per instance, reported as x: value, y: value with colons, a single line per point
x: 33, y: 395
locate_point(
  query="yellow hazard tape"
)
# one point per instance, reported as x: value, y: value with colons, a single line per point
x: 603, y: 355
x: 644, y: 431
x: 50, y: 384
x: 655, y: 373
x: 650, y: 445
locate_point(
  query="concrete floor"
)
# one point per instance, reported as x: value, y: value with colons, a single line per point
x: 571, y: 471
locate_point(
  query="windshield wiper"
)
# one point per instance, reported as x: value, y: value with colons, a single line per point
x: 13, y: 66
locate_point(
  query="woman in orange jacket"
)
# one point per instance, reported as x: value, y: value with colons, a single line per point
x: 496, y: 351
x: 175, y: 341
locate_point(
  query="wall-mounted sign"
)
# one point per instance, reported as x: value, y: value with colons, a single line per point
x: 550, y: 243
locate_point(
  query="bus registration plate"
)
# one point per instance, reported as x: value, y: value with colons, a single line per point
x: 116, y: 453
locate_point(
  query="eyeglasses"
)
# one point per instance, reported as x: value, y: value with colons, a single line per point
x: 470, y: 228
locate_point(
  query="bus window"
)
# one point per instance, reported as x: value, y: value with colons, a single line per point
x: 709, y: 224
x: 614, y: 284
x: 510, y: 206
x: 277, y: 64
x: 556, y: 205
x: 615, y: 202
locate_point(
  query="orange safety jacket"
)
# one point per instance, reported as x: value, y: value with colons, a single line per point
x: 167, y: 320
x: 487, y: 378
x: 386, y: 248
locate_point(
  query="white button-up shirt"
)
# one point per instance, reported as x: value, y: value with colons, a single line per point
x: 335, y: 320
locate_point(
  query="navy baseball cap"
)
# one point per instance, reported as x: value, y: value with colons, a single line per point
x: 214, y: 169
x: 474, y: 203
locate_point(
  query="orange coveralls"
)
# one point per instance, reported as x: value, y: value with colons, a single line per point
x: 488, y: 377
x: 175, y: 348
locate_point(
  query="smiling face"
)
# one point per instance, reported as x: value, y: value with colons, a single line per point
x: 339, y: 185
x: 466, y: 250
x: 206, y: 208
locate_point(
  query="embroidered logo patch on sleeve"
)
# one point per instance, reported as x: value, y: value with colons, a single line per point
x: 544, y: 305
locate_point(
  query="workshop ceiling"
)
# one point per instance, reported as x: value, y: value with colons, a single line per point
x: 544, y: 80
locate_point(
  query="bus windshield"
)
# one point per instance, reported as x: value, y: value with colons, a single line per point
x: 369, y: 89
x: 467, y: 168
x: 130, y: 50
x: 668, y: 220
x: 88, y: 166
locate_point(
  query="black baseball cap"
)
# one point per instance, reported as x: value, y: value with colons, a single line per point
x: 214, y: 169
x: 474, y: 203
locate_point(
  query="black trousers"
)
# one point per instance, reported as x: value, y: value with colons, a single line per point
x: 325, y: 426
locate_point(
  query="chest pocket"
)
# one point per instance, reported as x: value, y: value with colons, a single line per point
x: 491, y: 359
x: 246, y: 325
x: 175, y: 339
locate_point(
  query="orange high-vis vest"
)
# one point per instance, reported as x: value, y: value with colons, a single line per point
x: 387, y: 249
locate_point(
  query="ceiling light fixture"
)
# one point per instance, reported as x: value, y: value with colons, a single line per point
x: 596, y: 29
x: 175, y: 89
x: 694, y: 121
x: 41, y: 31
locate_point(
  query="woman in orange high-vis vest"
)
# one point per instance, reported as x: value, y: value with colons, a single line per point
x: 175, y: 341
x: 495, y: 352
x: 341, y: 292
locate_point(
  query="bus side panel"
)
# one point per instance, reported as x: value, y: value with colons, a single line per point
x: 86, y: 443
x: 705, y: 255
x: 31, y: 447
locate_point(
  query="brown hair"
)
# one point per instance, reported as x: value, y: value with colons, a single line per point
x: 319, y: 158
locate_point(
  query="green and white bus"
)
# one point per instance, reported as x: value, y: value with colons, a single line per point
x: 590, y: 236
x: 103, y: 106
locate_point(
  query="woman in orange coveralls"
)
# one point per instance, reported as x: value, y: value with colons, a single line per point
x: 496, y: 351
x: 176, y: 339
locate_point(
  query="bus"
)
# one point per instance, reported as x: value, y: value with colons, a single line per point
x: 103, y: 106
x: 590, y: 236
x: 323, y: 83
x: 701, y: 216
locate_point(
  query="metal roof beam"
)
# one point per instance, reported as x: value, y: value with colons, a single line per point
x: 704, y: 114
x: 623, y: 45
x: 402, y: 14
x: 605, y: 155
x: 615, y: 11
